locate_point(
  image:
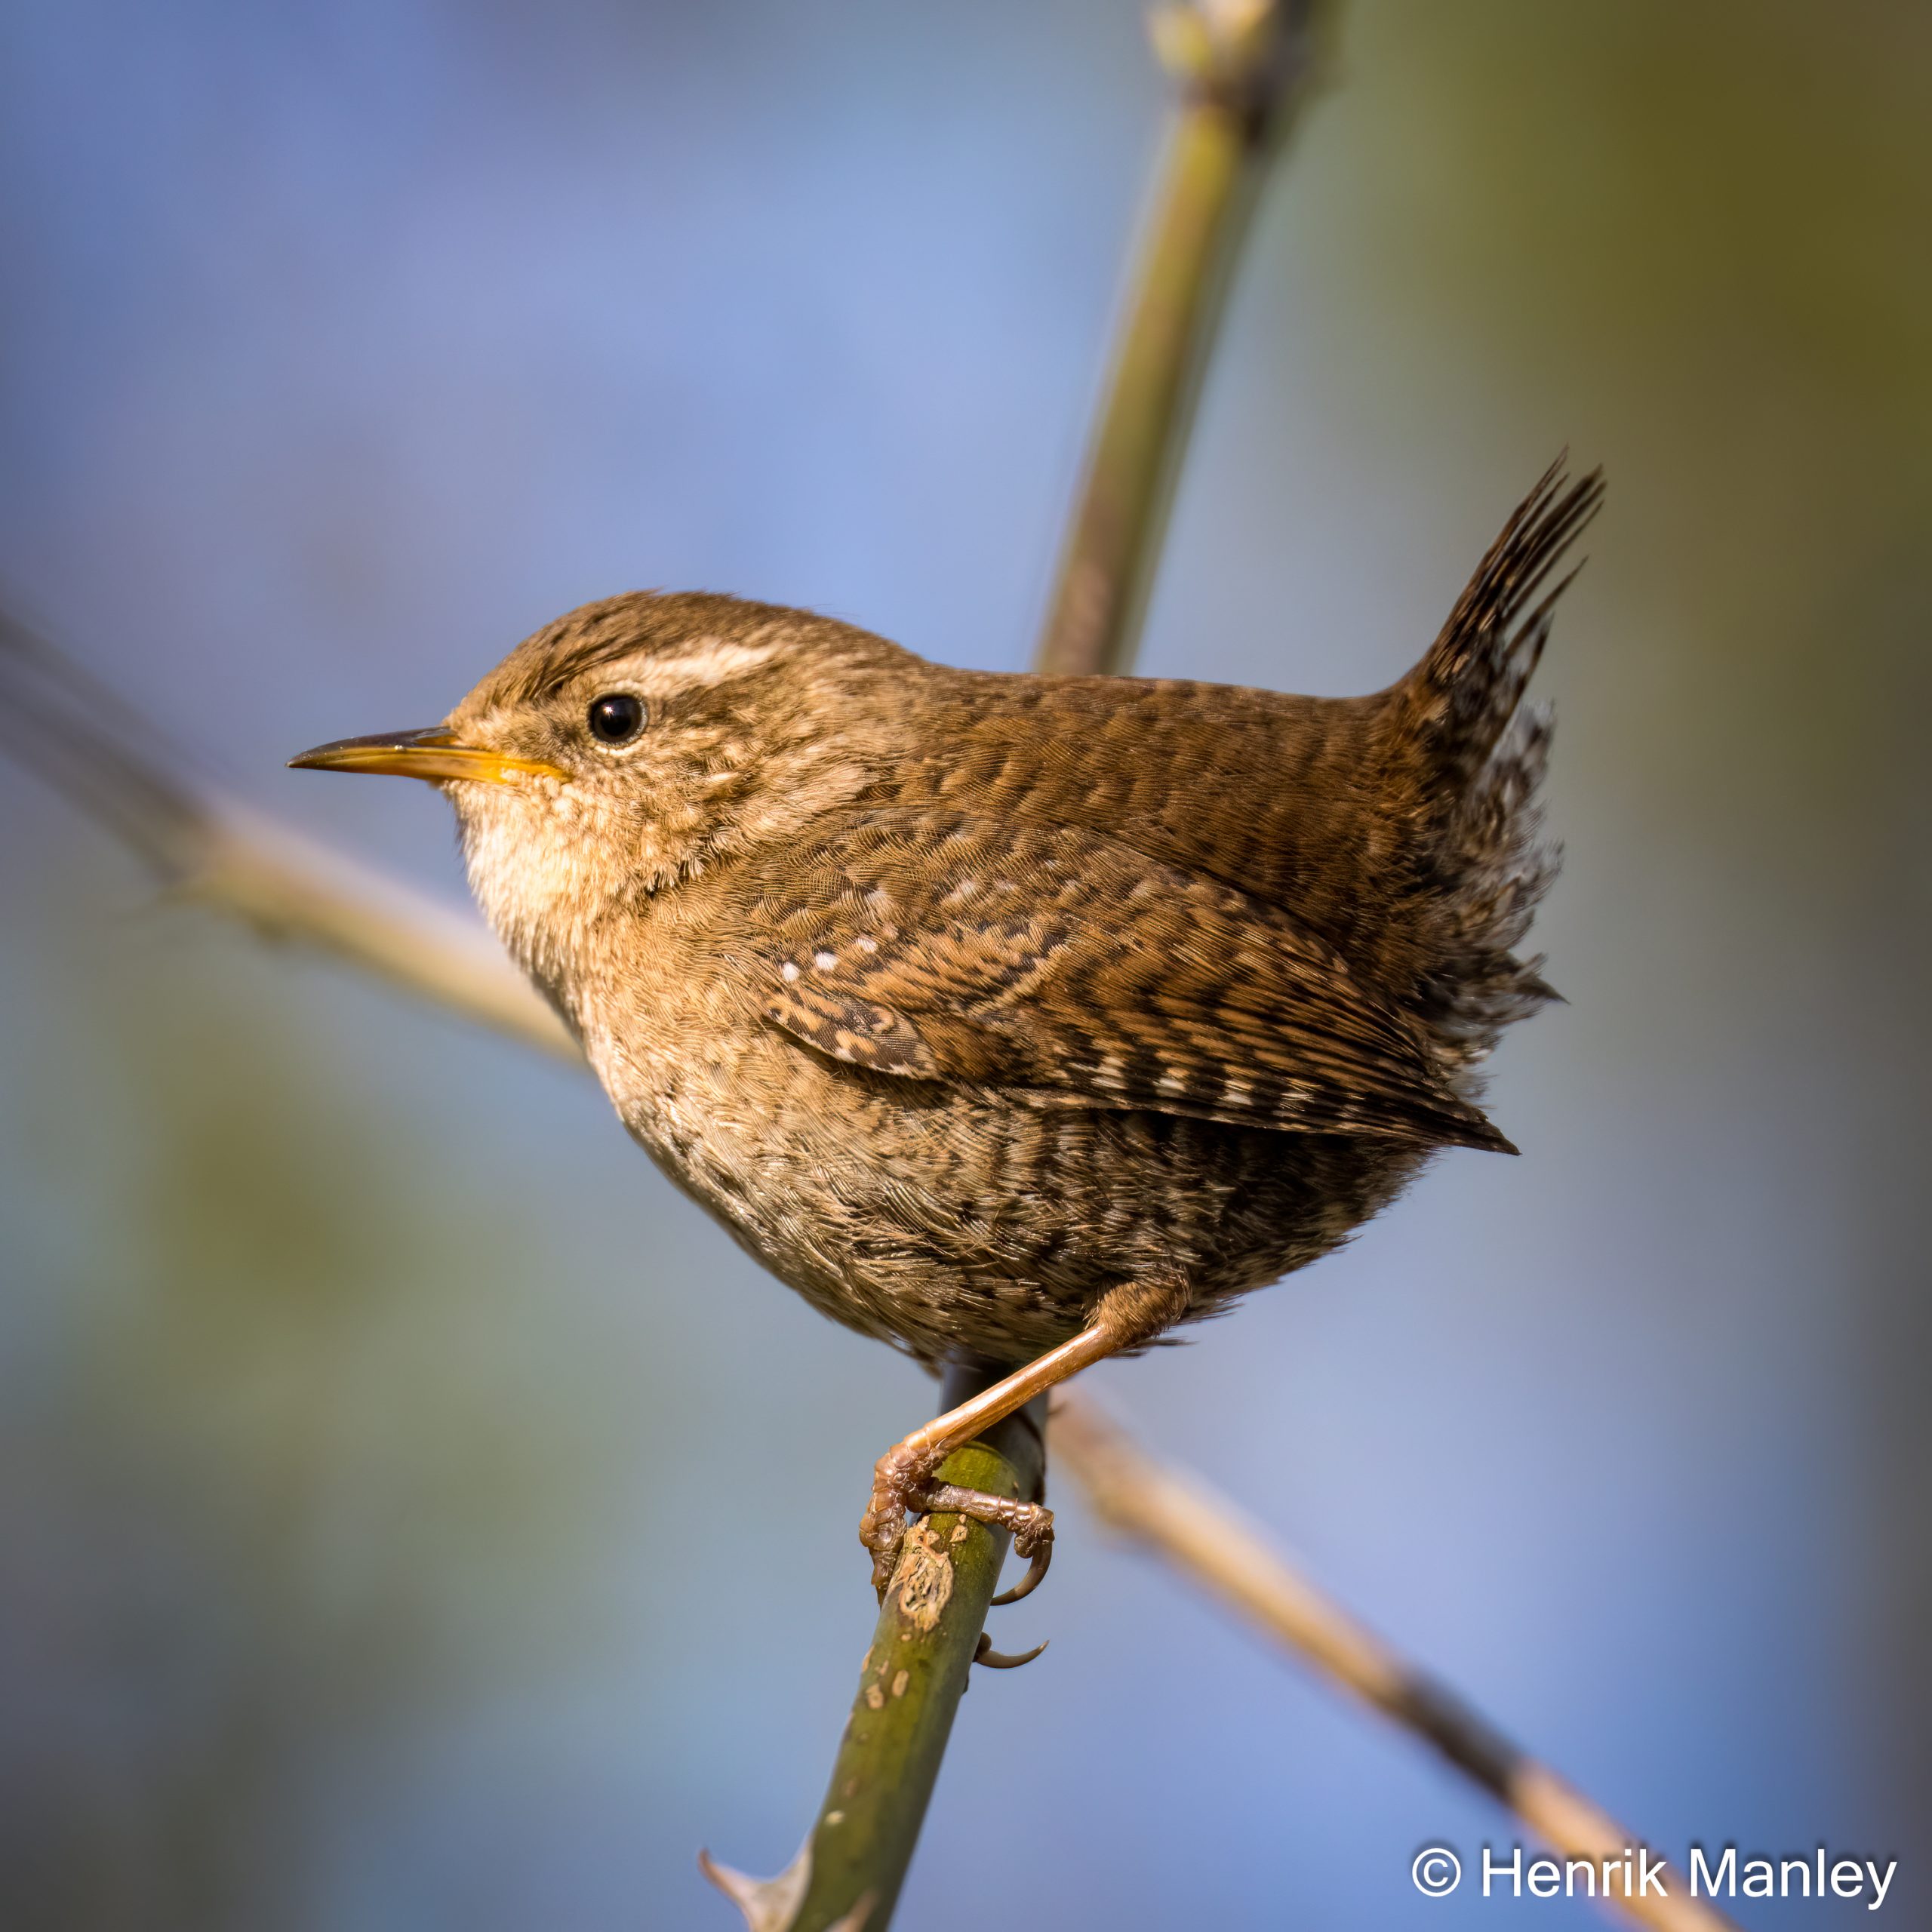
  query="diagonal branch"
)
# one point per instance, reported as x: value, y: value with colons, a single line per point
x: 1178, y: 1519
x: 80, y: 736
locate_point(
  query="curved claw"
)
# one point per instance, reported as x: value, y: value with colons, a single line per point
x: 885, y: 1560
x: 984, y: 1652
x: 1042, y: 1556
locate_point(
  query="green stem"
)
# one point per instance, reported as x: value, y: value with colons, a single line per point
x: 1241, y: 67
x: 1241, y: 62
x: 847, y: 1876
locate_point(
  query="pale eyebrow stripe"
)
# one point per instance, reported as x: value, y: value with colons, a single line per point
x: 708, y: 661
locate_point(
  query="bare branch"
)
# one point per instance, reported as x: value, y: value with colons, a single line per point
x: 63, y: 724
x: 1242, y: 67
x: 1179, y: 1520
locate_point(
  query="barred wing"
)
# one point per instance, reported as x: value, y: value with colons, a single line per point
x: 1059, y: 967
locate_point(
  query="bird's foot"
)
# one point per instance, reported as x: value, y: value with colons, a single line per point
x: 902, y: 1486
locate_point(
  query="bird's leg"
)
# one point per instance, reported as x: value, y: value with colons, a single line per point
x: 1126, y: 1315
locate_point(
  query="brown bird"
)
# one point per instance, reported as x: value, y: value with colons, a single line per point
x: 1012, y: 1019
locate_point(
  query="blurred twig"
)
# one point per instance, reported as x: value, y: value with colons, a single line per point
x: 1243, y: 67
x: 85, y: 741
x: 1181, y: 1521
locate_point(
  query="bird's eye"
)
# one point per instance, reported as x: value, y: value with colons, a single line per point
x: 616, y: 719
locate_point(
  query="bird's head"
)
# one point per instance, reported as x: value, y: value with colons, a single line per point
x: 634, y: 744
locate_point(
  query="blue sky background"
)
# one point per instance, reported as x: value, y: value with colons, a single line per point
x: 386, y: 1452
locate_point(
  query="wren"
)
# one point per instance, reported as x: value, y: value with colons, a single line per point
x: 1009, y: 1019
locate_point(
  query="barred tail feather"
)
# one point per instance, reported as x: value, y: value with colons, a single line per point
x: 1478, y: 754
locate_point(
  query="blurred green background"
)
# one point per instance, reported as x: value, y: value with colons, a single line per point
x: 385, y: 1449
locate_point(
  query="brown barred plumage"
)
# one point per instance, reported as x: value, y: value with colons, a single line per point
x: 963, y: 999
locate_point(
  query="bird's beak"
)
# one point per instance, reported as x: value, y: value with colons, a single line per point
x: 434, y: 753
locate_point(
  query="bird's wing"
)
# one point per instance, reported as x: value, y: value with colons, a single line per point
x: 1061, y: 968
